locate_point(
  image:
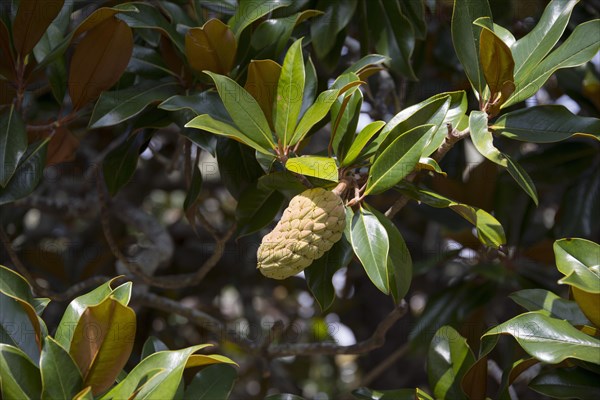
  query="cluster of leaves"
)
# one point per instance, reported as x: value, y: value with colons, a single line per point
x: 555, y: 332
x: 85, y: 357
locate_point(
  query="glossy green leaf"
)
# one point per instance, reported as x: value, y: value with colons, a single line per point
x: 497, y: 64
x: 572, y: 383
x: 398, y: 160
x: 207, y: 123
x: 547, y: 339
x: 249, y: 11
x: 61, y: 378
x: 319, y: 167
x: 102, y: 342
x: 531, y: 49
x: 150, y: 17
x: 504, y: 34
x: 366, y: 62
x: 398, y: 36
x: 448, y: 359
x: 115, y: 107
x: 465, y: 36
x: 320, y: 273
x: 13, y: 143
x: 290, y: 92
x: 578, y: 49
x: 237, y: 166
x: 27, y: 175
x: 148, y: 63
x: 361, y: 140
x: 484, y: 143
x: 578, y: 260
x: 194, y: 189
x: 314, y: 114
x: 545, y: 124
x: 370, y: 242
x: 156, y: 376
x: 283, y: 181
x: 489, y: 230
x: 19, y: 376
x: 550, y: 304
x: 120, y: 164
x: 344, y: 118
x: 20, y: 327
x: 399, y: 262
x: 75, y: 309
x: 207, y: 102
x: 213, y: 382
x: 244, y: 111
x: 429, y: 164
x: 257, y: 207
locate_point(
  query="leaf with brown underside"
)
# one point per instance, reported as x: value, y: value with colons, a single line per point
x: 211, y: 47
x: 32, y: 20
x: 99, y: 60
x: 261, y: 83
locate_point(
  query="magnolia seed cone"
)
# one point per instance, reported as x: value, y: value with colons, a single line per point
x: 311, y: 224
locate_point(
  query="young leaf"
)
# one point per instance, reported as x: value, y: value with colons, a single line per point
x: 13, y: 143
x: 244, y: 111
x: 314, y: 114
x: 290, y: 92
x: 207, y: 123
x: 102, y: 351
x: 371, y: 245
x: 448, y: 359
x: 497, y: 64
x: 319, y: 167
x: 361, y: 141
x: 545, y: 124
x: 465, y: 36
x: 61, y: 378
x: 398, y: 160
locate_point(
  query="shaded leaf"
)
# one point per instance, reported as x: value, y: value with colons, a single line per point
x: 33, y: 17
x: 120, y: 164
x: 13, y: 143
x: 545, y: 124
x: 320, y: 273
x: 152, y: 345
x: 448, y: 359
x: 325, y: 28
x: 19, y: 376
x: 213, y: 382
x: 550, y: 304
x: 249, y: 11
x: 99, y: 60
x: 27, y: 175
x: 257, y: 208
x: 572, y: 383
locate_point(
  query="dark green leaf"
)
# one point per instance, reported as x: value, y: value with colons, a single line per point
x: 572, y: 383
x: 13, y: 143
x: 152, y: 345
x: 549, y: 303
x: 207, y: 102
x: 19, y: 376
x: 27, y: 176
x: 213, y: 382
x: 465, y: 36
x: 257, y: 208
x: 237, y: 166
x: 320, y: 272
x: 325, y: 28
x: 120, y: 164
x: 371, y: 245
x: 545, y: 124
x: 249, y: 11
x: 400, y: 38
x: 114, y: 107
x: 522, y: 178
x: 150, y: 17
x: 194, y: 190
x: 61, y: 378
x: 448, y: 360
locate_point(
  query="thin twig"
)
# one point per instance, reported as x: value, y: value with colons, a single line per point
x: 384, y: 365
x: 376, y: 340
